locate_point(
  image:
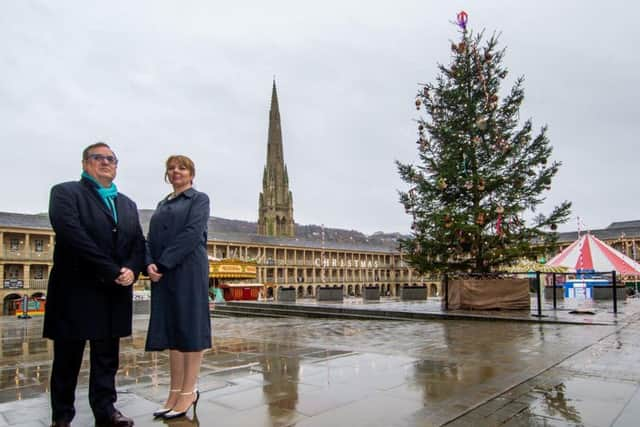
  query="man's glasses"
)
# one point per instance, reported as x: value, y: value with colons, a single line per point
x: 112, y: 160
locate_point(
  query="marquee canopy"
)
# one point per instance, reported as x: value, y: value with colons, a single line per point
x: 591, y: 253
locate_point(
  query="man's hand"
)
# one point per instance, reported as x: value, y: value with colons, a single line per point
x: 152, y: 271
x: 126, y: 277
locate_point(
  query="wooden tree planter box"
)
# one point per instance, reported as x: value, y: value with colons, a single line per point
x: 371, y: 293
x: 328, y: 293
x: 287, y: 294
x: 413, y: 293
x: 489, y: 294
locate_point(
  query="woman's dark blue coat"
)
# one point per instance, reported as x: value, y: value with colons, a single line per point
x: 177, y: 244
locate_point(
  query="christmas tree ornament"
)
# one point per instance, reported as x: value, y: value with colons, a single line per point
x: 468, y: 184
x: 493, y: 98
x: 462, y: 19
x: 480, y: 184
x: 461, y: 47
x: 481, y: 123
x: 480, y: 219
x: 499, y: 225
x: 420, y: 127
x: 499, y: 209
x: 448, y: 222
x: 554, y: 227
x: 476, y: 139
x: 488, y: 56
x: 418, y: 103
x: 442, y: 183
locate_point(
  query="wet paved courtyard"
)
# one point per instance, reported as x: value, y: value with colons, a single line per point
x: 317, y: 372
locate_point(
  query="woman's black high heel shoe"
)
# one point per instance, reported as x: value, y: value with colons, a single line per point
x: 161, y: 411
x: 175, y: 414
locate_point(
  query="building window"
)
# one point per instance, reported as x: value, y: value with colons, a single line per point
x: 12, y: 271
x: 39, y: 245
x: 14, y: 245
x: 38, y: 272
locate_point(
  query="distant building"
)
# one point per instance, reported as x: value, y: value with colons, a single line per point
x: 27, y: 242
x: 275, y: 205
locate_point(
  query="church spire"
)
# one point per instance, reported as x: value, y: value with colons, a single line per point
x: 275, y: 210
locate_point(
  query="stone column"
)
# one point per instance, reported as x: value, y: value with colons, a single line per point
x: 27, y: 245
x: 26, y: 272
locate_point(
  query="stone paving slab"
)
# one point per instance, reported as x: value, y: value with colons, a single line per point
x: 311, y: 372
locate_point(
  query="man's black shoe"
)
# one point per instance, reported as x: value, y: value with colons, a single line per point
x: 116, y: 420
x: 61, y: 424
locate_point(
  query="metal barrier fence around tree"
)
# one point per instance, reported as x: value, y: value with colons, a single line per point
x: 592, y: 275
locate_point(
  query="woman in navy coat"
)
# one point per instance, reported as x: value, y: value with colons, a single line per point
x: 178, y: 267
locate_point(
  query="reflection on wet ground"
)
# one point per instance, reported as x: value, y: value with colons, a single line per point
x: 318, y: 372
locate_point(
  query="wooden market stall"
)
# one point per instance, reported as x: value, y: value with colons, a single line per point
x: 236, y: 278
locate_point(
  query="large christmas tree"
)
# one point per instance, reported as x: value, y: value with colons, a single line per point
x: 481, y: 174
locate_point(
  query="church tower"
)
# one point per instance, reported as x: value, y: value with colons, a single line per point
x: 275, y: 207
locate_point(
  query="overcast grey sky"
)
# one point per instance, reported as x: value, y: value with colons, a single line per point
x: 154, y: 78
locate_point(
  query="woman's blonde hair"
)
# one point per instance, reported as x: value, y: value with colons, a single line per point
x: 180, y: 160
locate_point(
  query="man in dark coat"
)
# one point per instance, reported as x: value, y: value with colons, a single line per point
x: 98, y: 255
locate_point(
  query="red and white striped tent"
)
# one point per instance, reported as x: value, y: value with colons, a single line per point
x: 591, y: 253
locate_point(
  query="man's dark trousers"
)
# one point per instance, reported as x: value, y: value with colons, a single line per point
x: 64, y: 377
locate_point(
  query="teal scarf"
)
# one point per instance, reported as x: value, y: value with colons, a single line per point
x: 108, y: 195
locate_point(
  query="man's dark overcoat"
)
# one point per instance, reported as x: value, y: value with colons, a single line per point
x: 83, y: 300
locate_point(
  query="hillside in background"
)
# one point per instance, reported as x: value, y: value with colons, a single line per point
x: 310, y: 232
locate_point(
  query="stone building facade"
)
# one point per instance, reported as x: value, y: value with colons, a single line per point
x: 27, y: 243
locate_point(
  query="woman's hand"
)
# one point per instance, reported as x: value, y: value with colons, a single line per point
x: 152, y: 271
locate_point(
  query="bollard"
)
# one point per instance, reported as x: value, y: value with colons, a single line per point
x: 446, y: 292
x: 615, y: 296
x: 538, y: 294
x: 555, y: 304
